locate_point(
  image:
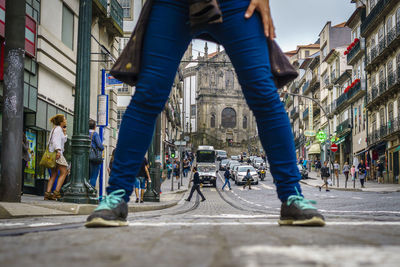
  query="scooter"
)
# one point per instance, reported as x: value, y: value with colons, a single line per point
x: 304, y: 173
x: 261, y: 174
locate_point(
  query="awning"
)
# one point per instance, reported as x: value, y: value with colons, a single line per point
x: 342, y: 139
x: 315, y: 149
x: 397, y: 149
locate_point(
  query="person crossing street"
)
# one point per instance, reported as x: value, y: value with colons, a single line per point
x: 196, y: 186
x: 227, y: 176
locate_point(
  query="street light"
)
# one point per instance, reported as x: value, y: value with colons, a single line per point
x: 325, y: 114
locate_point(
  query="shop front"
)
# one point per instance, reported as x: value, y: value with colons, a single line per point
x: 394, y: 162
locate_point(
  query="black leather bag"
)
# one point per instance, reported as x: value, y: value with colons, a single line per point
x: 283, y: 71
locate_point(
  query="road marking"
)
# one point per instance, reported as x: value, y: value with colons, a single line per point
x: 356, y: 197
x: 267, y: 187
x: 360, y: 211
x: 10, y: 224
x: 235, y: 216
x: 42, y: 224
x: 262, y: 223
x: 321, y: 255
x: 213, y: 190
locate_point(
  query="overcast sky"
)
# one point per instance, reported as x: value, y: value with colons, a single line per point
x: 300, y: 21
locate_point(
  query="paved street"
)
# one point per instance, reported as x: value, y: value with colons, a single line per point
x: 232, y: 228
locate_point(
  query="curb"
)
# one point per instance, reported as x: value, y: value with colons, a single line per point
x: 67, y: 209
x: 351, y: 189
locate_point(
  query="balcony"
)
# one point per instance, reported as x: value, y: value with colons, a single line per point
x: 379, y: 93
x: 356, y: 92
x: 305, y: 113
x: 385, y: 46
x: 356, y: 53
x: 340, y: 102
x: 393, y: 125
x: 376, y: 15
x: 294, y: 113
x: 314, y: 84
x: 343, y: 127
x: 111, y: 15
x: 305, y: 88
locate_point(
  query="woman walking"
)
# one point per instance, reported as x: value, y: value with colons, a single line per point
x: 336, y: 167
x: 346, y: 170
x: 325, y: 174
x: 362, y: 172
x: 57, y: 139
x: 243, y: 31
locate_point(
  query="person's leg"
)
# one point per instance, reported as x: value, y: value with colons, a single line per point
x: 93, y: 173
x: 142, y: 188
x: 166, y: 39
x: 200, y: 193
x: 246, y: 45
x: 52, y: 179
x: 226, y: 181
x: 229, y: 184
x: 191, y: 192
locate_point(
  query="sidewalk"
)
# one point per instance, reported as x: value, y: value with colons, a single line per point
x: 370, y: 186
x: 32, y: 205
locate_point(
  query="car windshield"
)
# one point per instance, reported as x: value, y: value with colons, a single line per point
x: 205, y: 169
x: 221, y: 153
x: 245, y: 168
x: 206, y: 156
x: 224, y: 161
x: 233, y: 162
x: 259, y: 160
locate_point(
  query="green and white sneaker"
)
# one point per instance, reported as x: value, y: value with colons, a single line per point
x: 298, y: 211
x: 111, y: 212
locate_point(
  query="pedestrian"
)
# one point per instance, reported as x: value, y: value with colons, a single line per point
x: 325, y: 174
x: 305, y: 164
x: 141, y: 179
x: 346, y: 170
x: 362, y: 172
x: 318, y: 167
x: 96, y: 147
x: 186, y: 167
x: 169, y: 170
x: 227, y: 176
x: 57, y: 139
x: 353, y: 175
x: 248, y: 178
x: 166, y: 35
x: 196, y: 186
x: 176, y: 170
x: 25, y: 159
x: 336, y: 168
x: 380, y: 168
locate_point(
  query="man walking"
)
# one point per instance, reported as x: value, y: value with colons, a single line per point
x: 325, y: 176
x: 227, y: 176
x: 362, y: 172
x: 196, y: 186
x: 141, y: 180
x: 380, y: 169
x: 336, y: 168
x: 94, y: 164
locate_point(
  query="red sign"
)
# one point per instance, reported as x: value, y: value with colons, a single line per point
x: 334, y: 147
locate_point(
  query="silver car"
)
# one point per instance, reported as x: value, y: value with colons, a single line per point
x: 241, y: 173
x: 234, y: 171
x: 257, y: 163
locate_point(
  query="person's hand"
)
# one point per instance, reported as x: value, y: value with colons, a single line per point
x: 262, y: 6
x: 64, y: 130
x: 58, y: 155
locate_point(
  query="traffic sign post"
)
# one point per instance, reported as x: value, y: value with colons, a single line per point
x: 334, y: 147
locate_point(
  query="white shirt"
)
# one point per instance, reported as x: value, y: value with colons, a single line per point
x: 57, y: 139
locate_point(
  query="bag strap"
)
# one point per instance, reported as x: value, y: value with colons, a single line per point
x: 51, y: 137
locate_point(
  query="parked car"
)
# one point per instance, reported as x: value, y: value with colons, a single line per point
x: 241, y: 173
x: 223, y: 163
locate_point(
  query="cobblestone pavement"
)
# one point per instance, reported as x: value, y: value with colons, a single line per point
x: 231, y: 228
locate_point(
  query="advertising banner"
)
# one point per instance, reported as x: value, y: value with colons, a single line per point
x: 31, y: 164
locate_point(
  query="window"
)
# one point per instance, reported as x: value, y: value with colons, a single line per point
x: 212, y: 121
x: 359, y: 118
x: 33, y: 9
x: 124, y: 89
x: 382, y: 117
x: 122, y: 44
x: 398, y: 16
x: 307, y: 53
x: 126, y: 7
x: 390, y: 112
x: 371, y: 4
x: 228, y: 118
x: 229, y: 79
x: 120, y: 114
x: 355, y: 120
x: 244, y: 122
x: 389, y: 24
x: 374, y: 122
x: 193, y: 110
x: 67, y: 27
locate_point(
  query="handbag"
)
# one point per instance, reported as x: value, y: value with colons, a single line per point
x: 283, y: 71
x: 49, y: 158
x: 95, y: 155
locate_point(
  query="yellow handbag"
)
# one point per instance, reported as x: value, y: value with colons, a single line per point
x: 49, y: 158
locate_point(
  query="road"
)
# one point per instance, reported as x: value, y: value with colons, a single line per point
x: 231, y: 228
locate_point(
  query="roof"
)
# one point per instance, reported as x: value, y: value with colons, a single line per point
x: 340, y: 25
x: 212, y: 54
x: 353, y: 16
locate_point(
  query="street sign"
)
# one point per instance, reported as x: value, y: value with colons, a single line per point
x: 321, y: 136
x: 187, y: 138
x: 102, y: 110
x: 112, y: 83
x: 334, y: 147
x: 309, y: 133
x: 180, y: 143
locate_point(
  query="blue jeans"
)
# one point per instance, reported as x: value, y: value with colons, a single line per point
x: 167, y: 36
x: 94, y: 170
x: 226, y: 183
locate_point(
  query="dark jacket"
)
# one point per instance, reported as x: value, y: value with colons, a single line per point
x: 325, y: 171
x: 227, y: 174
x: 96, y: 142
x: 196, y: 178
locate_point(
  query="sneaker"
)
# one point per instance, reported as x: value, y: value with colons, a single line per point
x: 112, y: 211
x: 141, y: 201
x: 299, y: 212
x: 327, y: 190
x: 188, y: 200
x: 137, y: 200
x: 203, y: 200
x: 319, y: 188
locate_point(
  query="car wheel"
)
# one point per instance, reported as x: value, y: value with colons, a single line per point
x: 257, y: 183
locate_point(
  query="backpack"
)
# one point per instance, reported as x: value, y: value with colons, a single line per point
x: 95, y: 155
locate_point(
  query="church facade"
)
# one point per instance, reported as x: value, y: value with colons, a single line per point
x: 222, y: 116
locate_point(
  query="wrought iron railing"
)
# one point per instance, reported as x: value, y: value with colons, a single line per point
x: 116, y: 12
x: 354, y: 51
x: 305, y: 113
x: 341, y: 100
x: 305, y: 86
x: 343, y: 126
x: 375, y: 12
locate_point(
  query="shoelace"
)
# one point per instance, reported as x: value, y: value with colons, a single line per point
x: 301, y: 202
x: 112, y: 200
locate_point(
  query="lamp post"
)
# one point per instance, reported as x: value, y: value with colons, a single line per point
x: 79, y: 190
x: 325, y: 114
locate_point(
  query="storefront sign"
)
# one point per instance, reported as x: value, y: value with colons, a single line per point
x: 30, y: 165
x: 112, y: 83
x: 102, y: 110
x: 321, y: 136
x: 309, y: 133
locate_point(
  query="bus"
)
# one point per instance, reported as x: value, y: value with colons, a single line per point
x: 206, y: 165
